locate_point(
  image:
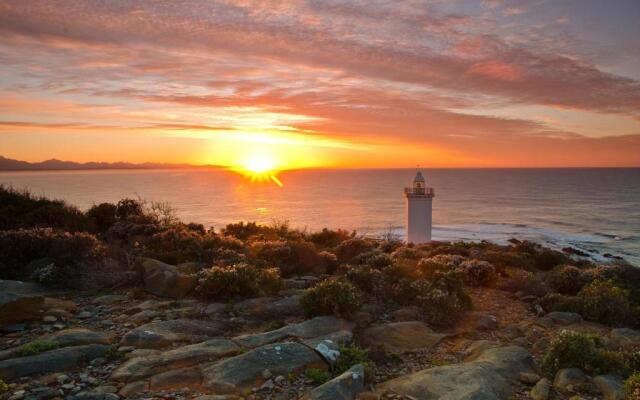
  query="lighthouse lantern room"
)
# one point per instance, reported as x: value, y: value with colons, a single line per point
x: 419, y: 209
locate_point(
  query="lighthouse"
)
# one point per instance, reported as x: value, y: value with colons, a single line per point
x: 419, y: 199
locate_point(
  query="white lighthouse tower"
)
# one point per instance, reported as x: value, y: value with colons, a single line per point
x: 419, y: 199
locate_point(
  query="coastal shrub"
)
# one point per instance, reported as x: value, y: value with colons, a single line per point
x: 428, y: 267
x: 456, y: 248
x: 604, y: 302
x: 329, y: 261
x: 102, y: 216
x: 23, y: 210
x: 18, y: 248
x: 335, y: 296
x: 509, y: 258
x: 244, y: 231
x: 561, y: 302
x: 478, y: 273
x: 373, y: 258
x: 543, y: 259
x: 366, y: 278
x: 129, y: 208
x: 442, y: 299
x: 291, y: 257
x: 351, y: 355
x: 580, y: 350
x: 178, y: 244
x: 350, y: 248
x: 3, y: 387
x: 328, y: 239
x: 237, y: 281
x: 632, y: 387
x: 527, y: 283
x: 566, y: 279
x: 408, y: 253
x: 317, y: 376
x: 36, y: 347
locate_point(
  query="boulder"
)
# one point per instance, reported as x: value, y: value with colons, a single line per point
x: 175, y: 379
x: 483, y: 321
x: 19, y: 301
x: 487, y: 377
x: 319, y: 327
x: 626, y: 338
x: 137, y: 368
x: 541, y: 390
x: 166, y: 280
x: 243, y: 372
x: 343, y: 387
x: 401, y: 337
x: 155, y: 335
x: 611, y: 387
x: 567, y: 378
x: 79, y: 336
x: 270, y: 307
x: 50, y: 361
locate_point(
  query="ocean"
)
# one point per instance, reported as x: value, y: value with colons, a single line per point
x: 594, y: 210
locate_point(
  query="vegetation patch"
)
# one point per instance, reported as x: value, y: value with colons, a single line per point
x: 37, y: 347
x: 237, y: 281
x: 335, y: 296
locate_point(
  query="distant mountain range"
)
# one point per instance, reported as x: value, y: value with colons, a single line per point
x: 7, y: 164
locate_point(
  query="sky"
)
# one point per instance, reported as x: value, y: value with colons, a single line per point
x: 335, y: 83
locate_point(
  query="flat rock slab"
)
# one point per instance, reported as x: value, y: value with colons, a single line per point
x: 56, y: 360
x: 318, y: 327
x: 155, y: 335
x: 270, y: 307
x: 402, y: 337
x: 241, y: 373
x: 80, y: 336
x: 628, y: 339
x: 19, y: 301
x: 487, y: 377
x: 143, y: 367
x: 343, y: 387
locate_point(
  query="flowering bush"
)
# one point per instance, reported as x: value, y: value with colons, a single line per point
x: 478, y: 273
x: 332, y: 296
x: 237, y: 281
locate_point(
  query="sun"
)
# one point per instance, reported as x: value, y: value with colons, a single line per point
x: 260, y: 166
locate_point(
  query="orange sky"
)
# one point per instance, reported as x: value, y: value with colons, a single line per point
x: 322, y: 84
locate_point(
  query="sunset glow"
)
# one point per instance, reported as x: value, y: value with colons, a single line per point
x: 322, y: 84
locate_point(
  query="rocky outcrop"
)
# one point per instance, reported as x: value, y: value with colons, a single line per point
x: 402, y: 337
x: 270, y: 307
x: 319, y: 327
x: 610, y: 386
x: 487, y: 376
x: 138, y: 368
x: 19, y: 301
x: 243, y: 372
x: 50, y: 361
x: 343, y: 387
x: 160, y: 334
x: 166, y: 280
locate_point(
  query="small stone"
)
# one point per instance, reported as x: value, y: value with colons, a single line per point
x: 266, y: 374
x: 62, y: 378
x: 567, y: 378
x: 529, y: 378
x: 18, y: 395
x: 84, y: 315
x: 541, y: 390
x: 280, y: 380
x: 49, y: 319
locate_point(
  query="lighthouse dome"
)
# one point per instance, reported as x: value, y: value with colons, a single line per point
x: 419, y: 177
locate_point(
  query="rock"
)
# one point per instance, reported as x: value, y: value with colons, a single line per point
x: 49, y: 319
x: 319, y: 327
x: 483, y: 321
x: 476, y: 348
x: 43, y: 394
x: 56, y: 360
x: 401, y: 337
x: 166, y: 280
x: 51, y: 303
x: 214, y: 309
x: 564, y: 318
x: 175, y: 379
x: 148, y: 365
x: 406, y: 314
x: 487, y: 377
x: 133, y: 388
x: 269, y: 307
x: 142, y: 317
x: 84, y: 315
x: 567, y: 378
x: 109, y: 299
x: 541, y: 390
x: 529, y: 378
x: 611, y: 387
x: 343, y: 387
x: 243, y: 372
x: 155, y: 335
x: 79, y: 336
x: 93, y: 395
x: 217, y: 397
x: 19, y: 301
x: 626, y: 338
x: 17, y: 395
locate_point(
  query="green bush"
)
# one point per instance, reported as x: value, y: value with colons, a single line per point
x: 373, y: 258
x: 68, y: 252
x: 587, y: 352
x: 291, y: 257
x: 352, y: 355
x: 350, y: 248
x: 102, y: 216
x: 328, y: 239
x: 237, y: 281
x: 524, y: 282
x: 3, y: 387
x: 129, y: 208
x: 366, y: 278
x: 442, y: 299
x: 335, y: 296
x: 37, y: 347
x: 566, y: 279
x: 317, y: 376
x: 428, y: 267
x: 561, y: 302
x: 179, y: 244
x: 604, y: 302
x: 478, y: 273
x: 507, y: 258
x: 329, y: 261
x: 632, y: 387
